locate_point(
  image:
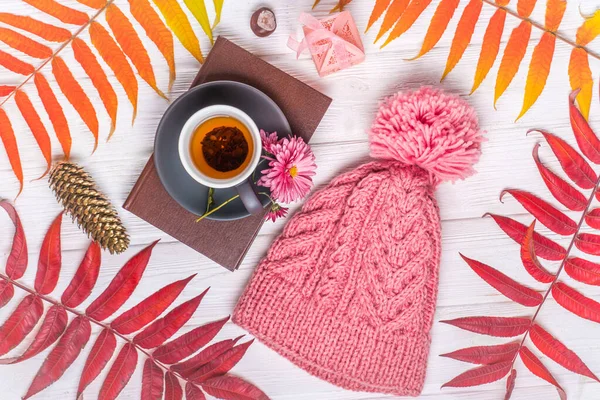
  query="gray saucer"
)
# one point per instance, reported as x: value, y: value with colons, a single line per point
x: 190, y: 194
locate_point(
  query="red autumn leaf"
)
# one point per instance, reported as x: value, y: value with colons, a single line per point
x: 566, y: 194
x: 16, y: 263
x: 121, y: 287
x: 213, y: 351
x: 558, y: 352
x: 547, y: 214
x: 186, y: 345
x: 493, y: 326
x: 530, y: 260
x: 480, y: 375
x: 50, y: 259
x: 233, y: 388
x: 150, y: 308
x: 20, y: 323
x: 162, y: 329
x: 120, y: 373
x: 84, y: 279
x: 62, y: 355
x: 510, y: 384
x: 192, y: 392
x: 152, y: 381
x: 588, y: 243
x: 592, y: 218
x: 538, y: 369
x: 485, y: 354
x: 52, y: 328
x: 7, y: 291
x: 220, y: 365
x: 101, y: 352
x: 586, y: 138
x: 505, y: 285
x: 575, y: 302
x: 544, y: 247
x: 583, y: 270
x: 173, y: 390
x: 574, y: 165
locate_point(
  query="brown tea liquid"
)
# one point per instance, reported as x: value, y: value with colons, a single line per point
x: 222, y: 147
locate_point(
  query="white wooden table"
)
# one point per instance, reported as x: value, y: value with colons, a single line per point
x: 339, y: 143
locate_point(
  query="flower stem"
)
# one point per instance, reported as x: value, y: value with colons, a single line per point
x: 217, y: 208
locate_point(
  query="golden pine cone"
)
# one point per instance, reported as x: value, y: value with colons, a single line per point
x: 76, y: 191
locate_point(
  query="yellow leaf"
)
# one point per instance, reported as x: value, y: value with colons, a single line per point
x: 132, y: 45
x: 555, y: 9
x: 589, y: 30
x: 392, y: 15
x: 180, y: 25
x: 539, y: 69
x: 408, y: 18
x: 219, y: 9
x: 114, y: 57
x: 513, y: 55
x: 580, y: 77
x: 378, y: 10
x: 489, y: 47
x: 463, y: 34
x: 198, y: 9
x: 525, y: 7
x: 439, y: 22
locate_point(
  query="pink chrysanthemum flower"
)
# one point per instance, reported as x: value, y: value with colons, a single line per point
x: 276, y: 211
x: 269, y: 140
x: 292, y: 167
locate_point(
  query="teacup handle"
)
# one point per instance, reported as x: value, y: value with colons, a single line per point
x: 249, y: 197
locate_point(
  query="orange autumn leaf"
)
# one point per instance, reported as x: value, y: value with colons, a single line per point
x: 378, y: 10
x: 89, y: 63
x: 97, y: 4
x: 132, y: 45
x: 589, y: 30
x: 463, y: 34
x: 180, y: 25
x: 340, y: 6
x: 525, y: 7
x: 392, y: 15
x: 5, y: 90
x: 555, y: 10
x: 15, y: 65
x: 408, y: 18
x: 7, y: 135
x: 76, y: 96
x: 502, y: 3
x: 58, y: 11
x: 489, y: 47
x: 439, y: 22
x: 45, y: 31
x: 55, y: 113
x: 580, y: 77
x: 156, y: 30
x: 316, y: 3
x: 24, y: 44
x: 539, y: 69
x: 513, y: 55
x: 36, y: 126
x: 114, y: 57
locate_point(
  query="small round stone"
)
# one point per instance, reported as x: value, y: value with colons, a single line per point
x: 263, y: 22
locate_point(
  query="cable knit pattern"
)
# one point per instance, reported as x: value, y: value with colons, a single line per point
x: 348, y: 290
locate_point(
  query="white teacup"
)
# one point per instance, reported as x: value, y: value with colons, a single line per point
x: 240, y: 181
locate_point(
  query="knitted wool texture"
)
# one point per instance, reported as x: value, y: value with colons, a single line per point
x: 348, y: 290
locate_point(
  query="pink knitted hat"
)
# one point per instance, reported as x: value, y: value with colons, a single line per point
x: 348, y: 291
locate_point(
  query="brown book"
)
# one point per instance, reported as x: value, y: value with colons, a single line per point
x: 226, y: 242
